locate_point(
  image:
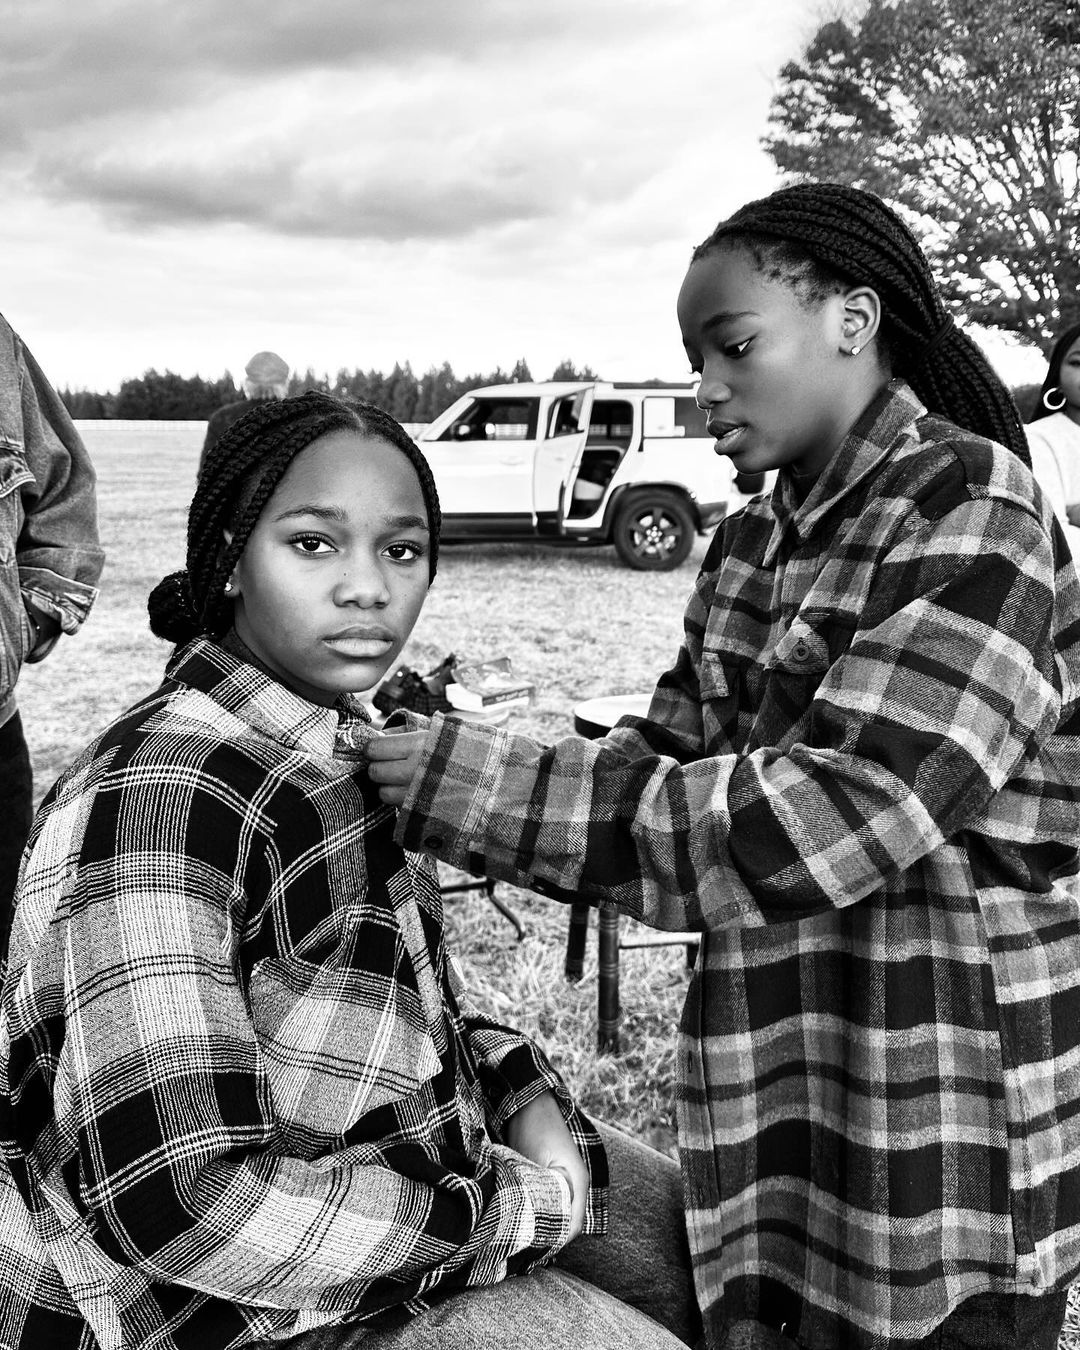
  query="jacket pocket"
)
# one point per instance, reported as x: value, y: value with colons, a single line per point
x: 338, y: 1041
x: 803, y: 650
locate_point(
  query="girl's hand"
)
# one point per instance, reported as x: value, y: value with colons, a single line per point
x: 539, y: 1133
x: 393, y: 760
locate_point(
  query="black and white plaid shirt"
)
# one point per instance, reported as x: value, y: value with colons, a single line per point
x: 861, y: 780
x: 238, y: 1094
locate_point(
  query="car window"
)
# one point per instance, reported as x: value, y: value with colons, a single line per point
x: 612, y: 423
x: 495, y: 419
x: 668, y: 416
x: 690, y: 417
x: 566, y: 415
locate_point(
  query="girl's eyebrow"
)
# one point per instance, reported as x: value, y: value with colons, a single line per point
x: 725, y: 316
x: 334, y: 513
x: 408, y: 523
x: 340, y: 517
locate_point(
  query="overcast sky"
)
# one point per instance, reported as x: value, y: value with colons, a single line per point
x: 358, y: 182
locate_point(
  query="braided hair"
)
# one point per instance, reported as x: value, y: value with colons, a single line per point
x: 1053, y: 371
x: 240, y: 474
x: 823, y: 237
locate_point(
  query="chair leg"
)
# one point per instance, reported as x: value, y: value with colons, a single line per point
x: 608, y: 1015
x: 504, y: 909
x: 576, y: 936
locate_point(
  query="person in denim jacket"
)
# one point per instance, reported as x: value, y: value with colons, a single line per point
x: 49, y: 562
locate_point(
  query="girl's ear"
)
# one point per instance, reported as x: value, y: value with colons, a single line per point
x: 861, y: 318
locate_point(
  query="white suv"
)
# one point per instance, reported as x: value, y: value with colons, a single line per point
x: 629, y: 465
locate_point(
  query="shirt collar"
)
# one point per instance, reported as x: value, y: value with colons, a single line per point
x: 227, y: 673
x: 870, y: 441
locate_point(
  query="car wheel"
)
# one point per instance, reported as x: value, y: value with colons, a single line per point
x: 653, y: 532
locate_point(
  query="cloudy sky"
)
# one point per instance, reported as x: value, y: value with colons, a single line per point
x: 359, y: 182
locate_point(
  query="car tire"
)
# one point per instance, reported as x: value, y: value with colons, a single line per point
x: 653, y: 531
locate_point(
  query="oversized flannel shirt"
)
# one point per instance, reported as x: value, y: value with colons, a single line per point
x: 239, y: 1097
x: 49, y: 553
x: 860, y: 781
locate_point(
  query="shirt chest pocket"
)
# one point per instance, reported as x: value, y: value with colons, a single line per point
x: 338, y: 1042
x: 790, y: 676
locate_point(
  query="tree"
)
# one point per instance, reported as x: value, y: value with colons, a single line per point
x: 965, y: 116
x: 566, y: 370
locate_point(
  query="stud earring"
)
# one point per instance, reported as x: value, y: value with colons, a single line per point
x: 855, y: 350
x: 229, y: 586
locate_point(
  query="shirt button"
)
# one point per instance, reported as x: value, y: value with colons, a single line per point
x: 801, y: 651
x: 433, y: 841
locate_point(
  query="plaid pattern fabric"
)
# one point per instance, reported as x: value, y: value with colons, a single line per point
x: 239, y: 1094
x: 860, y: 779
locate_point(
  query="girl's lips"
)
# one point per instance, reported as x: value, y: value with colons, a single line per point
x: 360, y: 644
x: 727, y: 437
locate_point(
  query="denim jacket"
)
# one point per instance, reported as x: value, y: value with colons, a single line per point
x: 49, y: 553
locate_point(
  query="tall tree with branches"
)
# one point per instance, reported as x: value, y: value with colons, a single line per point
x: 965, y: 116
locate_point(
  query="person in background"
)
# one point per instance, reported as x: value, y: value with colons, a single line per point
x: 50, y: 560
x: 860, y: 782
x: 266, y: 375
x: 1053, y: 434
x: 243, y: 1096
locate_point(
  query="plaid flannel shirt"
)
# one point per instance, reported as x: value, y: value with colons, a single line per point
x: 239, y: 1097
x: 860, y: 780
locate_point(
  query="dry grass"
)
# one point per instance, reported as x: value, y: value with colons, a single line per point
x: 574, y: 620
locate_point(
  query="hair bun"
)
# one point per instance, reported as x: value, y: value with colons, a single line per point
x: 172, y: 609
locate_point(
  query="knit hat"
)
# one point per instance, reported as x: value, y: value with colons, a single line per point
x: 267, y: 368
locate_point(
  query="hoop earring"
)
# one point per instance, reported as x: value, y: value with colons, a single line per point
x: 1054, y: 407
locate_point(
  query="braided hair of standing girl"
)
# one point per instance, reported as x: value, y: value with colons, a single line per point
x: 821, y: 238
x: 238, y: 479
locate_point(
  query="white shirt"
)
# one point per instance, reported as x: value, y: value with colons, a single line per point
x: 1054, y: 442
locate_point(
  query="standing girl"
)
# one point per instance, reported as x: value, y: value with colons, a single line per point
x: 859, y: 781
x: 239, y: 1096
x: 1054, y: 434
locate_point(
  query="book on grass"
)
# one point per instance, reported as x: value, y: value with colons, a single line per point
x: 477, y: 685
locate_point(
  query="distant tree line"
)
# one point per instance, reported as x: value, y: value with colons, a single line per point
x: 165, y: 396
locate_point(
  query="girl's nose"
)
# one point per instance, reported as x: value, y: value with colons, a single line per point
x: 711, y: 391
x: 362, y: 584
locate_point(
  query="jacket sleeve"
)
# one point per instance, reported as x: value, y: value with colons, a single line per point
x: 948, y: 688
x: 59, y: 556
x: 513, y: 1071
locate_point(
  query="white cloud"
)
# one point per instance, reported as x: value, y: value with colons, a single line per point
x: 364, y: 183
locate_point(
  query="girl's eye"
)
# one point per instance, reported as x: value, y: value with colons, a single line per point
x: 735, y: 350
x: 311, y: 544
x: 405, y: 551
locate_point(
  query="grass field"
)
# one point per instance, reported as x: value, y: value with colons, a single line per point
x: 576, y: 622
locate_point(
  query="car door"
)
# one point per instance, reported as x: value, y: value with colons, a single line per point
x: 483, y: 460
x: 558, y: 452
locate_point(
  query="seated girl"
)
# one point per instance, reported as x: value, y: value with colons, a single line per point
x: 240, y: 1096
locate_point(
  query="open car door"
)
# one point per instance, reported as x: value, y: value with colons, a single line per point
x: 558, y: 453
